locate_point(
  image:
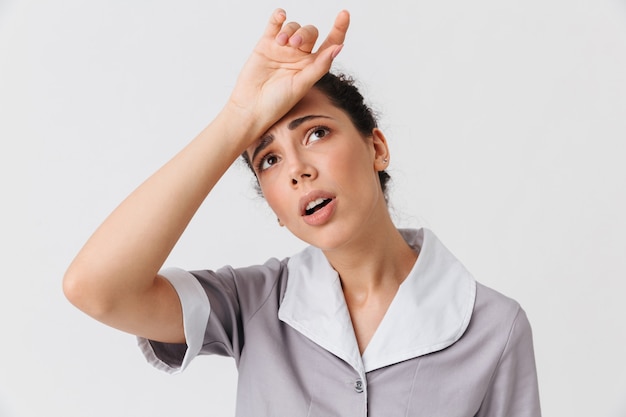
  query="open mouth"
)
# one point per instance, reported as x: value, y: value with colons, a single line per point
x: 316, y: 205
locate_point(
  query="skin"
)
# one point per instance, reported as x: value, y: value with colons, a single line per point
x: 114, y: 278
x: 327, y: 153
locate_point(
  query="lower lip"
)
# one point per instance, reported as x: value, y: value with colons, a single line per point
x: 321, y: 216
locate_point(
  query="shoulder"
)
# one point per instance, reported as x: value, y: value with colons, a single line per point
x: 247, y: 283
x: 497, y: 317
x: 494, y: 303
x: 253, y: 275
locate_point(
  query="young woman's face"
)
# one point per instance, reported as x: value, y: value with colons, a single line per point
x: 320, y: 175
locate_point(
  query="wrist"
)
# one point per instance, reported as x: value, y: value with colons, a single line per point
x: 243, y: 126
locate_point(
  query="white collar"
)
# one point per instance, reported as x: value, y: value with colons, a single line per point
x: 430, y: 311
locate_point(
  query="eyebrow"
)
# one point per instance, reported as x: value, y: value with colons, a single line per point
x: 263, y: 143
x: 267, y: 140
x: 297, y: 122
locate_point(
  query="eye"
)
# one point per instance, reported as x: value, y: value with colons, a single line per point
x: 266, y: 162
x: 317, y: 133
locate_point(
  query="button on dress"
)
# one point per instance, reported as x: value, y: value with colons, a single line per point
x: 447, y: 346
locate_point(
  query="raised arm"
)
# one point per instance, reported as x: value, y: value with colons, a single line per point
x: 114, y: 276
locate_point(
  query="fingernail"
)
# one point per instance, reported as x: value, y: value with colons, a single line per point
x: 296, y: 40
x: 282, y: 39
x: 336, y: 51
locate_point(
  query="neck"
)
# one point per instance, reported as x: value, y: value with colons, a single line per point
x: 371, y: 269
x: 377, y: 260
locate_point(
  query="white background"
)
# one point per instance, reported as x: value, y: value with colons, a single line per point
x: 507, y: 125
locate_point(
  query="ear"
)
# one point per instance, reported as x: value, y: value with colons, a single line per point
x: 381, y: 150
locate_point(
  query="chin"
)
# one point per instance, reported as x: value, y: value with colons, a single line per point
x: 326, y: 238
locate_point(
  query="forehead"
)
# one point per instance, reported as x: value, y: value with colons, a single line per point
x: 313, y: 102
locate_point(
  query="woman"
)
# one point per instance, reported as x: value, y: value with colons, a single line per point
x: 368, y: 320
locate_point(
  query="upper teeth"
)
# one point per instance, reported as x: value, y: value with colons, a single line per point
x: 314, y: 203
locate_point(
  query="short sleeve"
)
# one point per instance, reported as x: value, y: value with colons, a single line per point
x: 216, y: 306
x: 513, y: 391
x: 174, y: 358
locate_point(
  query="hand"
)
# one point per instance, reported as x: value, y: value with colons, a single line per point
x: 283, y: 68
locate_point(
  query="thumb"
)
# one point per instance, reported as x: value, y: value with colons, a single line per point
x: 322, y: 63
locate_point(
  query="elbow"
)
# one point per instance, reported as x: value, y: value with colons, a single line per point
x: 82, y: 291
x: 72, y: 288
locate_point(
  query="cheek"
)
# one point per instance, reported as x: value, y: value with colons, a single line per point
x: 354, y: 166
x: 275, y: 197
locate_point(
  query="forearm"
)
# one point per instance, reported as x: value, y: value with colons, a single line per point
x: 125, y: 253
x: 114, y: 276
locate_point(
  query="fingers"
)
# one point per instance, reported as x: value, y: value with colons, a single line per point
x: 304, y: 37
x: 321, y: 64
x: 331, y: 47
x: 275, y: 23
x: 286, y: 33
x: 337, y: 34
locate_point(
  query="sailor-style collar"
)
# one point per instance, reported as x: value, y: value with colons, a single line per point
x: 430, y: 311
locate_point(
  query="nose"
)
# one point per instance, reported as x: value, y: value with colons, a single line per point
x: 300, y: 170
x: 294, y: 180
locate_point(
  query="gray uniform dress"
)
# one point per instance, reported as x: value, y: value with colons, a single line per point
x: 447, y: 345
